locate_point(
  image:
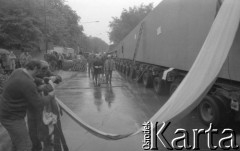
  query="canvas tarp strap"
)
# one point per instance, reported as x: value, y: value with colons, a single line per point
x: 199, y: 79
x: 138, y: 41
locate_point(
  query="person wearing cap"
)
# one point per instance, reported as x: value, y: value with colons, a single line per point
x: 97, y: 69
x: 12, y: 59
x: 108, y: 68
x: 19, y: 95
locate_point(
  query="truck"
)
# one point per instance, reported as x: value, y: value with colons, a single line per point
x: 161, y: 49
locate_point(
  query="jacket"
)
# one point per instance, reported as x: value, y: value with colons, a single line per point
x: 20, y: 94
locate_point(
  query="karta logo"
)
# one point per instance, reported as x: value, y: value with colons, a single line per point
x: 152, y: 134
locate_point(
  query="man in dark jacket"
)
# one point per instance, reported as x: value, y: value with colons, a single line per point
x: 108, y: 68
x: 97, y: 70
x: 33, y: 120
x: 19, y: 94
x: 37, y: 130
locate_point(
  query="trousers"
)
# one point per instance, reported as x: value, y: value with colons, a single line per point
x: 109, y: 76
x: 33, y: 133
x: 18, y: 133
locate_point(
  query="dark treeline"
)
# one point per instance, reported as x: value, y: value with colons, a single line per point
x: 22, y: 25
x: 128, y: 20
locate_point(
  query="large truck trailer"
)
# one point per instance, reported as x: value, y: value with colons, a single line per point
x: 161, y: 49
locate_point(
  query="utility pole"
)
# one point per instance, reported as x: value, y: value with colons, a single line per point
x: 45, y: 27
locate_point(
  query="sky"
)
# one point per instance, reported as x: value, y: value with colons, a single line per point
x: 91, y: 11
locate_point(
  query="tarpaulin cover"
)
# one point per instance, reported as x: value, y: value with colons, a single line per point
x: 206, y: 67
x: 201, y: 76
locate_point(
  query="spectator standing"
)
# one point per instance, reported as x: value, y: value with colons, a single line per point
x: 103, y: 59
x: 60, y: 61
x: 12, y: 59
x: 6, y: 63
x: 19, y: 94
x: 1, y: 70
x: 108, y: 68
x: 22, y: 59
x: 97, y: 70
x: 1, y: 60
x: 90, y: 61
x: 28, y: 57
x: 35, y: 126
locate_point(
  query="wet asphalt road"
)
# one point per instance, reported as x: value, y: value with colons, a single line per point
x: 118, y: 109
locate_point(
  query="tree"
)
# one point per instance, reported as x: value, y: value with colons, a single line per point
x: 18, y: 26
x: 120, y: 27
x: 22, y: 24
x: 96, y: 45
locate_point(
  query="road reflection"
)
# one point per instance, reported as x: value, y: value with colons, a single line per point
x: 109, y: 96
x: 97, y: 93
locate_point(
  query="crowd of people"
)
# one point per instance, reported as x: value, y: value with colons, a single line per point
x: 9, y: 61
x: 61, y: 61
x: 55, y: 60
x: 101, y: 67
x: 28, y: 108
x: 29, y: 92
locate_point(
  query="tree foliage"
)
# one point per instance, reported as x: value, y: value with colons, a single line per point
x: 120, y: 27
x: 93, y: 44
x: 22, y: 24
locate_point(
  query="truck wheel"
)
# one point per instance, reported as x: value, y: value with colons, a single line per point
x: 121, y: 68
x: 132, y: 73
x: 124, y: 67
x: 226, y: 112
x: 139, y: 77
x: 210, y: 111
x: 147, y: 80
x: 158, y: 85
x: 128, y: 71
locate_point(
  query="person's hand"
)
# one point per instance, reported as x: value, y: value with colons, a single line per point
x: 53, y: 78
x: 58, y: 79
x: 46, y: 80
x: 52, y: 84
x: 52, y: 93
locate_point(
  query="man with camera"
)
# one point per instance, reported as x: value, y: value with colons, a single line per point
x: 41, y: 129
x: 20, y: 94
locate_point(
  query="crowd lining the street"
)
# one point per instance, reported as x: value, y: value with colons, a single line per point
x: 28, y: 109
